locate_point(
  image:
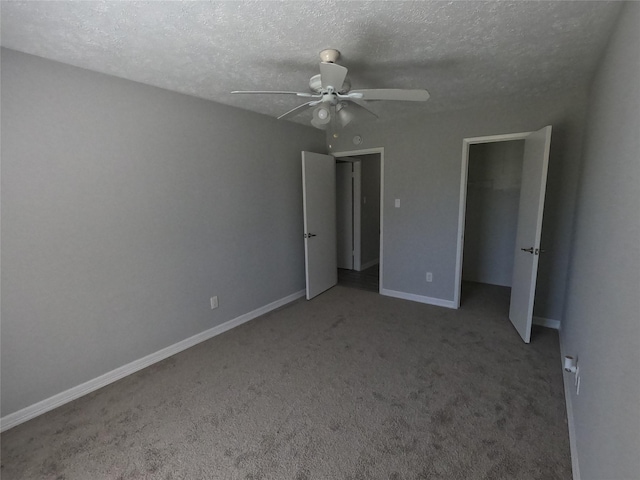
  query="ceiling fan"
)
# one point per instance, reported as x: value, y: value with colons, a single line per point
x: 334, y: 101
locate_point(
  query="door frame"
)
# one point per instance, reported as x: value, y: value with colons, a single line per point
x: 356, y: 213
x: 369, y: 151
x: 464, y: 176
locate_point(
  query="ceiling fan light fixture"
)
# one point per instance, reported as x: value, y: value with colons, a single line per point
x: 321, y: 115
x: 318, y: 125
x: 344, y: 116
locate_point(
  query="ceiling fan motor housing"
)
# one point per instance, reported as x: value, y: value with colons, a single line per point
x: 315, y: 84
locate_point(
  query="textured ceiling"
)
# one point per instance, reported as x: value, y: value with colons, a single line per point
x: 467, y: 54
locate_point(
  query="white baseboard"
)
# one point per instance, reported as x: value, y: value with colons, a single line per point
x: 369, y: 264
x: 32, y: 411
x: 418, y: 298
x: 568, y: 380
x: 547, y: 322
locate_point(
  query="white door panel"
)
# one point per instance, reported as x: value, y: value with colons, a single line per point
x: 319, y: 205
x: 527, y: 247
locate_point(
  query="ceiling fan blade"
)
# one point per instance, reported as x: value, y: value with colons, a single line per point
x: 332, y: 75
x: 358, y: 108
x: 299, y: 94
x: 393, y: 94
x: 298, y: 109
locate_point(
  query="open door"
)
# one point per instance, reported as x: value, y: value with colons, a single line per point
x: 319, y: 205
x: 527, y: 247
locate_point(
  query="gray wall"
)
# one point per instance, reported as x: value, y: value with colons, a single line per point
x: 124, y: 208
x: 493, y: 197
x: 370, y: 211
x: 602, y: 319
x: 422, y: 163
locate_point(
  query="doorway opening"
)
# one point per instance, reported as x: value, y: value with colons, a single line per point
x: 493, y: 195
x: 491, y: 176
x: 359, y: 218
x: 502, y: 190
x: 491, y: 219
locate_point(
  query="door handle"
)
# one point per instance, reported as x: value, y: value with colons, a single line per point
x: 309, y: 235
x: 535, y: 251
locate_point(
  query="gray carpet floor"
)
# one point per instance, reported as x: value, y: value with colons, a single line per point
x: 350, y: 385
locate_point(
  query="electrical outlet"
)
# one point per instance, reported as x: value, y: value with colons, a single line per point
x: 214, y: 302
x: 429, y: 277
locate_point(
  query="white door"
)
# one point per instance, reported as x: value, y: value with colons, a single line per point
x: 344, y: 212
x: 527, y: 248
x: 319, y: 205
